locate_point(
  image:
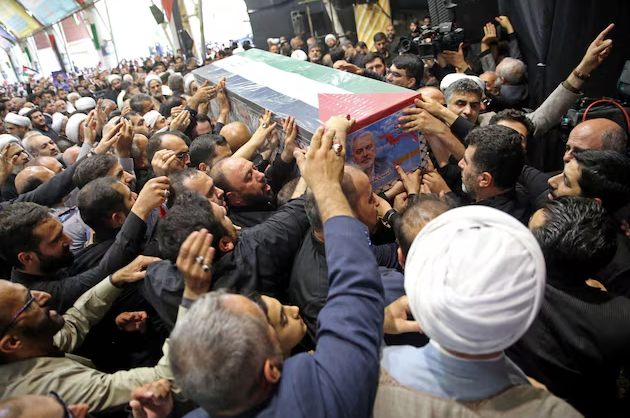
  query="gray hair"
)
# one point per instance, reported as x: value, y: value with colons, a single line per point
x: 511, y: 70
x: 176, y: 82
x: 615, y: 139
x: 464, y: 85
x: 218, y: 353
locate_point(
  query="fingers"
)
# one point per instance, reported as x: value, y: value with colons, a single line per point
x: 327, y: 140
x: 405, y: 326
x: 402, y: 174
x: 300, y: 159
x: 316, y: 140
x: 604, y: 45
x: 184, y: 250
x: 605, y: 32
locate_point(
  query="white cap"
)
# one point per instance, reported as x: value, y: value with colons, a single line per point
x: 150, y: 78
x: 15, y: 119
x: 151, y: 117
x: 330, y: 36
x: 72, y: 127
x: 300, y: 55
x: 113, y: 77
x: 453, y: 77
x: 85, y: 104
x: 57, y: 121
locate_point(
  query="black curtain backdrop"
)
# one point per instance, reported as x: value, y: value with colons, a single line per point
x: 554, y: 35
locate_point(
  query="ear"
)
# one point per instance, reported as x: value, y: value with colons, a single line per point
x: 9, y: 344
x: 401, y: 257
x: 226, y: 244
x: 118, y: 219
x: 272, y: 371
x: 26, y: 258
x: 412, y: 82
x: 485, y: 179
x: 233, y: 199
x: 598, y: 200
x: 204, y: 168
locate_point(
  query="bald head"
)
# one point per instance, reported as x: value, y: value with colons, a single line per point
x: 36, y: 406
x: 596, y: 134
x: 32, y: 177
x: 236, y: 134
x: 49, y: 162
x: 433, y: 93
x: 71, y: 154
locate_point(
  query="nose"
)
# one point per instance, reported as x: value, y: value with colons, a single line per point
x: 554, y: 181
x: 128, y: 178
x: 460, y: 164
x: 295, y: 311
x: 389, y: 77
x: 219, y: 192
x: 467, y: 110
x: 568, y: 156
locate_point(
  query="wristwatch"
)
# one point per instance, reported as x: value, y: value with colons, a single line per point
x: 387, y: 217
x: 581, y: 76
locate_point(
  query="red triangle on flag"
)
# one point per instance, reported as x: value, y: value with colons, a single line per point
x: 364, y: 108
x: 168, y: 8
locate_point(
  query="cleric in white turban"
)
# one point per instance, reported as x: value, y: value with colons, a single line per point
x: 475, y: 281
x: 17, y: 125
x: 73, y: 128
x: 85, y: 104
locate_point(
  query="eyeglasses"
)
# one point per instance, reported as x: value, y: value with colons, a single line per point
x: 64, y: 405
x: 17, y: 315
x: 182, y: 155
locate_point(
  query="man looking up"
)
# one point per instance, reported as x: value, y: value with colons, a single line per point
x: 260, y: 382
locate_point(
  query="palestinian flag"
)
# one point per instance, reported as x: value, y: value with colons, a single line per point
x: 257, y: 80
x: 26, y: 71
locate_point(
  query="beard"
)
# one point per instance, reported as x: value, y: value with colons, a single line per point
x: 50, y: 265
x: 468, y: 189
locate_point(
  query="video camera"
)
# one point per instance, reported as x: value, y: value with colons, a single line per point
x: 433, y: 40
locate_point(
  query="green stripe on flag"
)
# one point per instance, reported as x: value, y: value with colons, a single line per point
x: 322, y: 74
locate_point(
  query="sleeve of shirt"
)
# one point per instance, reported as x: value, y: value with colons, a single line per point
x: 551, y: 111
x: 127, y: 245
x: 86, y: 312
x: 515, y: 50
x: 351, y: 324
x: 374, y: 76
x: 217, y: 128
x: 85, y: 150
x: 386, y: 254
x: 461, y: 127
x: 536, y: 184
x: 280, y: 173
x: 487, y: 61
x: 104, y: 391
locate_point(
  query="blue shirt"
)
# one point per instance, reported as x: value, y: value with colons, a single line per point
x: 340, y: 379
x: 430, y: 369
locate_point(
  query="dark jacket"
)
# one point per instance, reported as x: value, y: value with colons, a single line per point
x: 261, y: 261
x: 578, y: 345
x: 65, y: 289
x: 308, y: 288
x: 341, y: 377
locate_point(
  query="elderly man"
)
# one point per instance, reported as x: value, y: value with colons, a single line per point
x: 579, y: 344
x: 596, y: 134
x: 464, y: 367
x: 216, y: 371
x: 15, y: 153
x: 115, y: 82
x: 154, y: 86
x: 363, y: 153
x: 514, y: 88
x: 40, y: 145
x: 17, y: 125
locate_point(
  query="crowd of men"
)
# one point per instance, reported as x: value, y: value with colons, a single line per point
x: 159, y: 260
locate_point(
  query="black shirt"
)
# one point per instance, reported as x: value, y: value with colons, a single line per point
x: 261, y: 261
x: 577, y: 346
x: 616, y: 275
x: 50, y: 132
x: 65, y: 289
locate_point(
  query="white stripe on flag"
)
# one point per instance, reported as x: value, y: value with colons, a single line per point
x: 290, y: 84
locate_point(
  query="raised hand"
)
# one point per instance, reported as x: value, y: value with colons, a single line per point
x: 161, y: 161
x: 194, y: 262
x: 153, y: 400
x: 6, y: 163
x: 110, y: 139
x: 134, y: 271
x: 181, y: 121
x: 290, y: 134
x: 505, y: 22
x: 153, y: 194
x: 132, y: 322
x: 597, y: 51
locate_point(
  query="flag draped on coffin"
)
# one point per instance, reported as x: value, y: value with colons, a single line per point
x: 257, y: 80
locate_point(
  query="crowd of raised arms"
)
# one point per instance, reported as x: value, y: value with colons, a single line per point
x: 161, y: 260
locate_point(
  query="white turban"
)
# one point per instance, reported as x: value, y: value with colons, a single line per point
x: 188, y: 80
x: 72, y: 127
x: 330, y: 36
x: 128, y: 77
x: 85, y: 104
x: 475, y: 279
x: 23, y: 111
x: 150, y: 78
x: 8, y: 139
x: 113, y: 77
x: 151, y: 117
x: 453, y: 77
x: 73, y: 96
x: 57, y: 121
x: 17, y: 120
x: 299, y: 54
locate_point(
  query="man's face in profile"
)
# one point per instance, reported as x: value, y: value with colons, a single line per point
x: 364, y: 152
